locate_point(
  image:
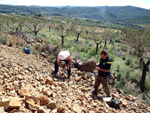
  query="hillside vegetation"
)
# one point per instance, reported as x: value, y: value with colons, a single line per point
x: 98, y: 13
x: 128, y: 47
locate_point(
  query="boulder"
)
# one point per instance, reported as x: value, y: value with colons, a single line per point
x: 88, y: 66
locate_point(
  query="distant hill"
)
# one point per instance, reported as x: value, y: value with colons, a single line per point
x: 107, y: 13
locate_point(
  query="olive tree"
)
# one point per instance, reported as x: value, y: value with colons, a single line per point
x: 35, y: 26
x: 95, y: 35
x: 140, y: 41
x: 63, y: 30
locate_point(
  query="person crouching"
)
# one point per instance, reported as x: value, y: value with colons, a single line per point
x: 63, y: 56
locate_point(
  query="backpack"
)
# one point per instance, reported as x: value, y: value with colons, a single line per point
x: 27, y: 50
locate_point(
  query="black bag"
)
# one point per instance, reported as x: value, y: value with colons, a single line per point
x: 114, y: 103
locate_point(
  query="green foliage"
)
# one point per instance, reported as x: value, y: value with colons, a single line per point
x: 123, y: 57
x: 147, y: 83
x: 135, y: 76
x: 112, y: 56
x: 118, y: 84
x: 127, y: 89
x: 118, y: 40
x: 127, y: 74
x: 143, y: 96
x: 124, y: 48
x: 119, y: 76
x: 3, y: 40
x: 118, y: 67
x: 129, y: 61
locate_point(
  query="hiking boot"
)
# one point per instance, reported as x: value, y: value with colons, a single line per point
x: 94, y: 92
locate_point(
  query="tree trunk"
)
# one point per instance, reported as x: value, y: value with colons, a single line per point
x: 145, y: 68
x: 49, y: 28
x: 78, y: 37
x: 110, y: 40
x: 105, y: 43
x: 97, y: 44
x: 35, y: 33
x: 142, y: 83
x: 62, y: 37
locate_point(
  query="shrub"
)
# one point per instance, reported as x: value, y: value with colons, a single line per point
x: 129, y: 61
x: 123, y: 57
x: 20, y: 42
x: 3, y: 40
x: 113, y: 48
x: 127, y: 89
x: 118, y: 67
x: 43, y: 35
x: 124, y: 48
x: 119, y: 76
x: 135, y: 76
x: 38, y: 48
x: 127, y: 74
x: 147, y: 83
x: 51, y: 58
x: 143, y: 96
x: 118, y: 84
x: 118, y: 40
x: 112, y: 56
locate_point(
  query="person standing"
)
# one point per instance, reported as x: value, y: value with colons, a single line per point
x: 103, y: 68
x: 63, y: 56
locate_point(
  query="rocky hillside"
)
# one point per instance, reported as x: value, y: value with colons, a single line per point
x: 26, y: 86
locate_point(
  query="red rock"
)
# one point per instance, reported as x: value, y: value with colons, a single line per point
x: 4, y: 102
x: 15, y: 102
x: 30, y: 102
x: 49, y: 81
x: 43, y: 100
x: 24, y: 92
x: 79, y: 78
x: 60, y: 109
x: 128, y: 97
x: 124, y: 103
x: 80, y: 97
x: 84, y: 76
x: 52, y: 105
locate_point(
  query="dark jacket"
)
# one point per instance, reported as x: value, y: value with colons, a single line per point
x: 104, y: 64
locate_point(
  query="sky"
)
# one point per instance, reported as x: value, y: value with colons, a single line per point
x: 138, y: 3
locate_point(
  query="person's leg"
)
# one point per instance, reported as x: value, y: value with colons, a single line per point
x: 97, y: 84
x: 69, y: 70
x: 105, y: 85
x: 56, y: 67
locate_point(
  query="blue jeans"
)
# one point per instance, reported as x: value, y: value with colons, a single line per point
x: 57, y: 67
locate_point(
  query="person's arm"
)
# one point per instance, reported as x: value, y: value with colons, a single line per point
x: 69, y: 58
x: 107, y: 67
x: 97, y: 64
x: 104, y: 70
x: 58, y: 62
